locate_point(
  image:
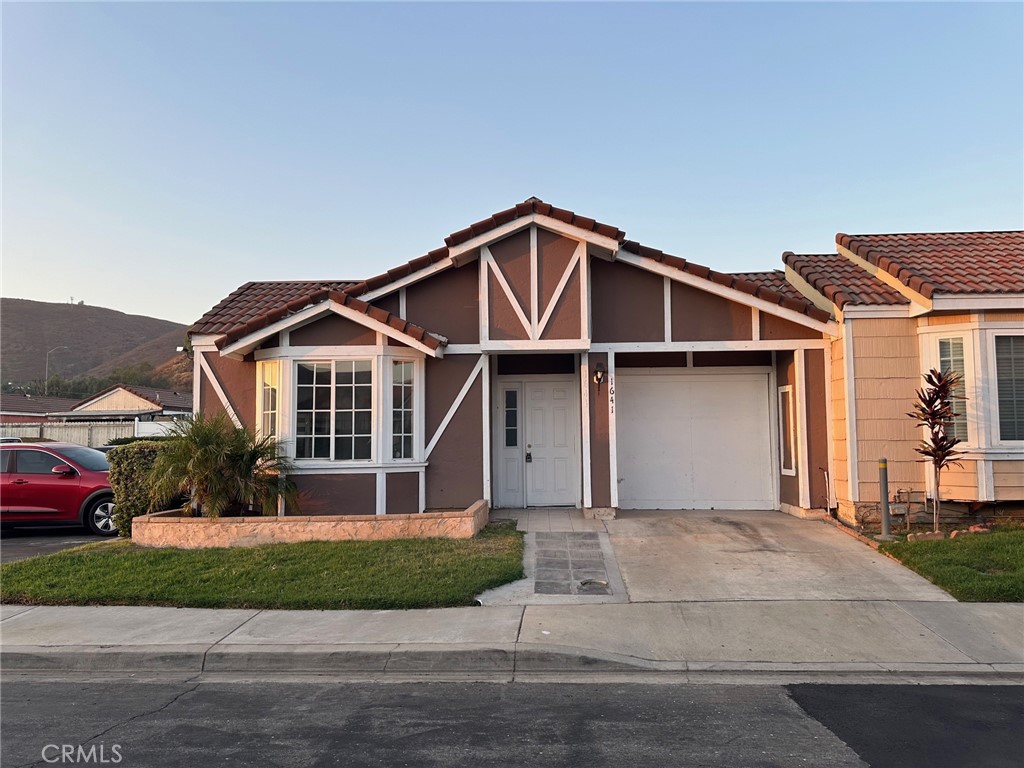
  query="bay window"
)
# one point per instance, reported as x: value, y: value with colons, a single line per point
x: 334, y: 410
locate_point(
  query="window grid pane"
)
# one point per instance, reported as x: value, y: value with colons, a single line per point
x: 511, y: 418
x: 313, y: 397
x: 951, y: 358
x: 402, y: 421
x: 1010, y: 386
x: 353, y: 410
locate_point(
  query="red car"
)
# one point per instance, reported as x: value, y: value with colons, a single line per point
x: 56, y: 483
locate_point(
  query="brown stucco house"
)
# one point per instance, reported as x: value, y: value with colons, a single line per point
x: 539, y: 358
x: 904, y: 304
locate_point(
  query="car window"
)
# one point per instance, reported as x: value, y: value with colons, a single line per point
x: 5, y: 460
x: 89, y: 458
x: 35, y: 462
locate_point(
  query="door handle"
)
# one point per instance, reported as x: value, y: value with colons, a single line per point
x: 19, y: 481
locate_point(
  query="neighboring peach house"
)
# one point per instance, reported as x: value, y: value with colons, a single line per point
x: 906, y: 303
x: 124, y: 402
x: 540, y: 358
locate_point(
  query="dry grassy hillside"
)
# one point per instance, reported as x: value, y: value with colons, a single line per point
x: 94, y: 336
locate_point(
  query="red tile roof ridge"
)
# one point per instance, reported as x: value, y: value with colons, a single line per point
x: 840, y: 280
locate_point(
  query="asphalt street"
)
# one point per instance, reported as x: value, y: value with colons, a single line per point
x: 536, y: 725
x: 20, y: 543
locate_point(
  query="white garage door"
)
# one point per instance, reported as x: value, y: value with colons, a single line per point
x: 693, y: 440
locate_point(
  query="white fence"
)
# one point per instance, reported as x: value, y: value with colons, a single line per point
x: 90, y: 433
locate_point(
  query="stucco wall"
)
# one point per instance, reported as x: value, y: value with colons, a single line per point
x: 165, y: 530
x: 454, y: 474
x: 785, y: 373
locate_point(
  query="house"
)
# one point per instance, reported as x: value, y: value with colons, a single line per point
x: 123, y: 402
x: 538, y: 358
x: 903, y: 304
x: 19, y: 408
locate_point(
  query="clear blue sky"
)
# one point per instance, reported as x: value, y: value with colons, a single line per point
x: 155, y: 157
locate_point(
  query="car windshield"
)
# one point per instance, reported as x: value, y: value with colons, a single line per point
x: 88, y: 458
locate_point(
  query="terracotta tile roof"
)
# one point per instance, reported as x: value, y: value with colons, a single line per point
x: 528, y: 207
x: 17, y: 402
x: 261, y: 321
x: 160, y: 398
x: 946, y: 262
x: 737, y: 282
x: 254, y: 299
x: 256, y: 305
x: 840, y: 280
x: 774, y: 280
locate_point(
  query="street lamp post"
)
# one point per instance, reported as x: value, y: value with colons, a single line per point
x: 46, y: 380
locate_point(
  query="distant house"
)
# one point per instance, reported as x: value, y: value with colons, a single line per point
x: 122, y: 402
x: 19, y: 408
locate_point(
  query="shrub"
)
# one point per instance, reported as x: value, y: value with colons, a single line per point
x: 129, y: 440
x: 221, y: 469
x: 130, y: 468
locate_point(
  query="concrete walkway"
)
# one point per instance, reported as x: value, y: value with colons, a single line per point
x: 724, y: 641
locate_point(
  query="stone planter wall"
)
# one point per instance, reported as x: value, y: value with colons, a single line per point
x: 171, y: 529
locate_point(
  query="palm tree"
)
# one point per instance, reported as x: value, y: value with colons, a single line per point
x: 934, y: 411
x: 221, y: 469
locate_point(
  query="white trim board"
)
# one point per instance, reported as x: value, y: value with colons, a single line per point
x: 246, y: 344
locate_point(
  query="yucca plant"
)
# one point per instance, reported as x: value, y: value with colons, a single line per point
x: 934, y: 411
x: 221, y: 469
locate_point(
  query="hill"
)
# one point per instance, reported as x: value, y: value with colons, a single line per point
x: 95, y: 336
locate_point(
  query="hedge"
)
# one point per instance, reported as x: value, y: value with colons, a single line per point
x: 129, y: 440
x: 130, y: 466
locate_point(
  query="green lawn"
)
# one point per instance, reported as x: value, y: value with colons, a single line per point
x: 406, y: 573
x: 984, y: 568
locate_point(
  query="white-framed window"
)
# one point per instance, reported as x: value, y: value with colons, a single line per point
x: 951, y: 358
x: 268, y: 391
x: 403, y: 409
x: 787, y: 431
x: 334, y: 412
x: 1009, y: 364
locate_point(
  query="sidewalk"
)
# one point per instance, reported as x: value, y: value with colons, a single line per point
x: 722, y: 641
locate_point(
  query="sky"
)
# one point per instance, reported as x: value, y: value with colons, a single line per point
x: 157, y: 156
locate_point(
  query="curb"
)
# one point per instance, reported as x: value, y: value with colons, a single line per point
x: 509, y: 661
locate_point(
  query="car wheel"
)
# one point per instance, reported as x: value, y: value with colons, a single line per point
x: 99, y: 519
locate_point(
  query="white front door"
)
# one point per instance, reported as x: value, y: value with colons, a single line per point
x: 537, y: 443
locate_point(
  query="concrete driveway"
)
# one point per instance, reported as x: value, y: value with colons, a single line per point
x: 727, y: 555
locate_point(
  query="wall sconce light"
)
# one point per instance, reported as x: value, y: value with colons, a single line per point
x: 599, y: 371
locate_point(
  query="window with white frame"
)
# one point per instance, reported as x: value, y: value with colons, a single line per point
x: 1010, y: 386
x: 334, y: 410
x: 268, y: 397
x: 951, y: 358
x: 787, y: 431
x: 402, y: 409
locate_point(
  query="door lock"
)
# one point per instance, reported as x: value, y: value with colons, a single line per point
x: 529, y: 454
